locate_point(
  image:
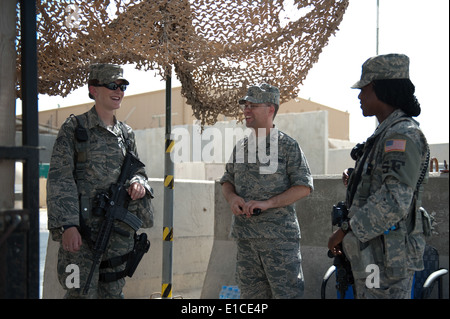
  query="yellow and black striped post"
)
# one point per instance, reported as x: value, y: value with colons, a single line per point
x: 166, y: 289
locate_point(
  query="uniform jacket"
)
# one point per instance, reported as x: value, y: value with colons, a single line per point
x: 259, y: 177
x: 105, y: 155
x: 383, y: 212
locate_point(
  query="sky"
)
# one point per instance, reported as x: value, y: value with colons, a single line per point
x: 417, y: 28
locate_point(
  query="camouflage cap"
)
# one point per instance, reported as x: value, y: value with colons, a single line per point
x: 383, y: 67
x: 263, y: 93
x: 106, y: 73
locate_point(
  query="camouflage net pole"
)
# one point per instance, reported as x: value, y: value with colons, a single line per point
x: 217, y: 48
x: 169, y: 183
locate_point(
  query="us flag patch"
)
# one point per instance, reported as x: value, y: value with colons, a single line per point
x: 395, y: 146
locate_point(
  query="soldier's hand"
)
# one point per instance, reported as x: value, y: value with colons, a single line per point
x: 71, y: 239
x: 345, y: 176
x: 136, y: 191
x: 250, y: 206
x: 236, y: 205
x: 335, y: 240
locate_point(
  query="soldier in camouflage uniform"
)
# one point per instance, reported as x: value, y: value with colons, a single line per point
x: 73, y: 184
x: 268, y: 257
x: 386, y: 226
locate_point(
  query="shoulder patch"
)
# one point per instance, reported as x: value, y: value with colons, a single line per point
x: 395, y: 145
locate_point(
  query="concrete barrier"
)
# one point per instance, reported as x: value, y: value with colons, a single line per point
x: 193, y: 237
x: 204, y: 255
x: 315, y: 224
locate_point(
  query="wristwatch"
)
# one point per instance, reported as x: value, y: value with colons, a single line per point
x: 345, y: 226
x: 63, y: 228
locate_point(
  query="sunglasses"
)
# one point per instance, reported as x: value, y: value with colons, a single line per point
x: 113, y: 86
x: 250, y: 106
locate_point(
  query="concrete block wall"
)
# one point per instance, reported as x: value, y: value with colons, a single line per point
x: 204, y: 255
x: 315, y: 223
x: 339, y: 158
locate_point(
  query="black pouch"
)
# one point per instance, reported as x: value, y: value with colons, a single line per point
x: 141, y: 247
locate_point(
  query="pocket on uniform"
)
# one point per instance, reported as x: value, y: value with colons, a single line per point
x: 395, y: 253
x: 414, y: 251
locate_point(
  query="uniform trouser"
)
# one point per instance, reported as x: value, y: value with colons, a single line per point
x: 74, y: 268
x: 269, y: 268
x: 389, y: 288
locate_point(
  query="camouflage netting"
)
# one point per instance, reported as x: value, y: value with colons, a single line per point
x: 217, y: 47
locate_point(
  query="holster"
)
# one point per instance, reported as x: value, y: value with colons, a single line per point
x: 132, y: 258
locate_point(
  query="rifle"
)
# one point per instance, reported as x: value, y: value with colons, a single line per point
x: 339, y: 213
x: 344, y: 275
x: 114, y: 204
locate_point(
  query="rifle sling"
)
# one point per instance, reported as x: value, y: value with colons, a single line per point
x: 81, y: 157
x: 358, y: 173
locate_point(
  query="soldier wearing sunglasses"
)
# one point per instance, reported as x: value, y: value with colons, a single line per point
x: 83, y: 166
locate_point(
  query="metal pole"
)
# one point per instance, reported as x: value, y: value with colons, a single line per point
x: 166, y: 291
x: 7, y: 140
x: 377, y: 44
x: 30, y: 139
x: 378, y: 24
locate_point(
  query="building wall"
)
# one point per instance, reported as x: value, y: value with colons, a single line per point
x: 309, y: 129
x: 338, y: 124
x: 147, y: 110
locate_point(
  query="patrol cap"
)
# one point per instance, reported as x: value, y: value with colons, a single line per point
x: 106, y: 73
x: 263, y: 93
x: 383, y: 67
